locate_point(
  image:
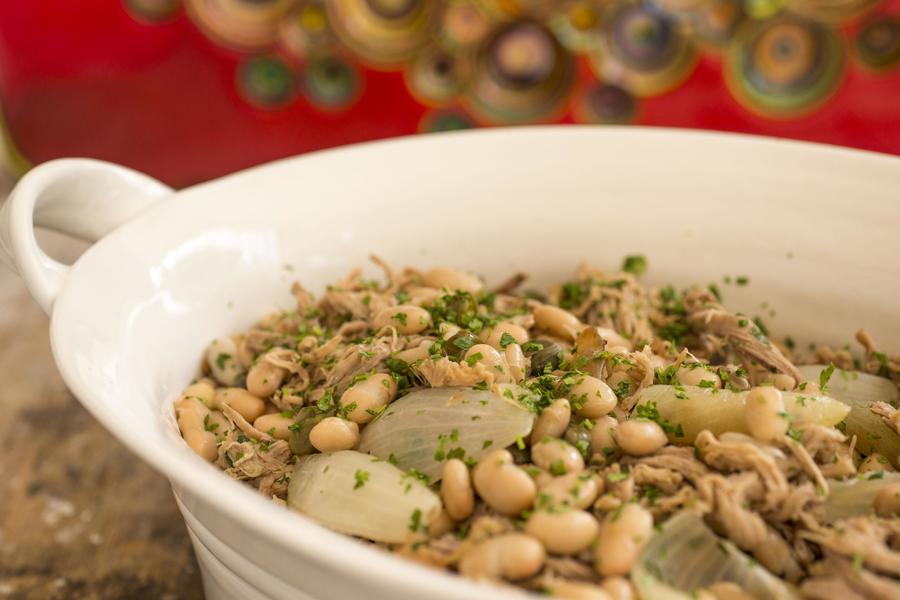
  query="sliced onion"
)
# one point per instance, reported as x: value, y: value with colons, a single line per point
x: 854, y: 497
x: 424, y: 428
x: 722, y: 410
x: 354, y: 493
x: 686, y: 556
x: 860, y: 391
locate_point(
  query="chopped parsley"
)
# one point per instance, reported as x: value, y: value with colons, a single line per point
x: 415, y: 520
x: 361, y: 477
x: 824, y: 376
x: 474, y: 359
x: 506, y: 339
x: 650, y: 412
x: 400, y: 317
x: 221, y: 358
x: 529, y: 347
x: 635, y: 264
x: 616, y: 477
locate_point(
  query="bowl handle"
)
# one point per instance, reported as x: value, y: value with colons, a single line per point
x: 80, y: 197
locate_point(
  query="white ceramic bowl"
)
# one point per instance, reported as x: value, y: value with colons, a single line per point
x: 814, y: 228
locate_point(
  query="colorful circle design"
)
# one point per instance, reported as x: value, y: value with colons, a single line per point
x: 431, y: 78
x: 579, y: 24
x: 878, y: 43
x: 463, y: 25
x: 305, y: 31
x: 716, y: 22
x: 265, y: 81
x: 445, y: 120
x: 645, y: 51
x: 384, y: 33
x: 783, y: 67
x: 520, y: 73
x: 153, y: 11
x: 331, y: 83
x: 239, y: 23
x: 606, y: 104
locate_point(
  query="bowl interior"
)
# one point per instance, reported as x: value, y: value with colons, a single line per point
x: 812, y: 228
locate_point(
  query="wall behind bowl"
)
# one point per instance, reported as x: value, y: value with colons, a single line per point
x: 188, y: 90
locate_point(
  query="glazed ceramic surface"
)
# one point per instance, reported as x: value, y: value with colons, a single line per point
x: 814, y: 229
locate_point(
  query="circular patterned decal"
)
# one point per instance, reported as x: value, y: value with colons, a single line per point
x: 878, y: 43
x: 783, y: 67
x: 607, y: 104
x: 464, y: 24
x: 305, y: 31
x: 431, y: 77
x: 240, y: 23
x: 331, y: 83
x: 384, y: 33
x: 265, y: 81
x: 519, y: 73
x: 579, y: 25
x: 645, y: 51
x: 716, y: 22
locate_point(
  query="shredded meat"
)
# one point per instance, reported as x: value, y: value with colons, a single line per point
x: 709, y: 318
x: 766, y: 496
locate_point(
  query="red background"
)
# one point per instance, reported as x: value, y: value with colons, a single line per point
x: 84, y: 78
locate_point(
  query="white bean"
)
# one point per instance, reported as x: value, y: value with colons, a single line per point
x: 603, y: 439
x: 452, y: 279
x: 764, y: 414
x: 222, y: 358
x: 490, y: 359
x: 516, y: 362
x: 618, y: 588
x: 406, y: 319
x: 887, y: 501
x: 264, y: 378
x: 695, y: 374
x: 557, y: 321
x: 246, y: 404
x: 552, y: 421
x: 333, y: 434
x: 192, y: 416
x: 640, y: 437
x: 203, y: 390
x: 368, y: 397
x: 563, y: 531
x: 456, y: 489
x: 275, y: 424
x: 502, y: 485
x: 557, y: 456
x: 592, y: 397
x: 494, y: 335
x: 623, y: 534
x: 573, y: 489
x: 508, y: 556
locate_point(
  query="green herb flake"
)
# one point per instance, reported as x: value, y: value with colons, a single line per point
x: 635, y: 264
x: 474, y: 359
x: 506, y: 339
x: 825, y: 376
x: 415, y: 520
x: 221, y: 358
x: 361, y: 478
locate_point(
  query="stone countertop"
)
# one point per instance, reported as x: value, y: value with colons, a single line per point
x: 80, y: 516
